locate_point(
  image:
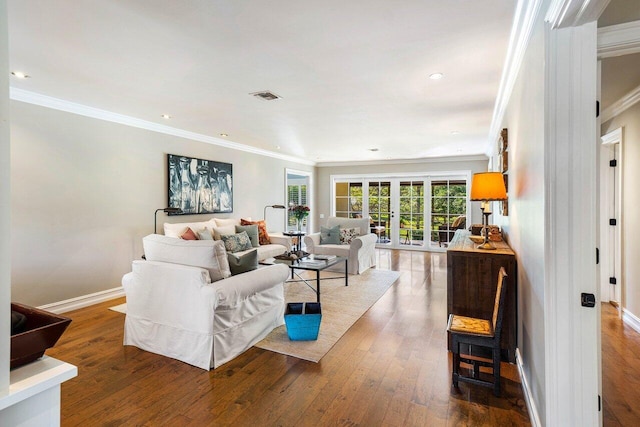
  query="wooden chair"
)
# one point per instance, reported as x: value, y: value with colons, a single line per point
x: 479, y: 332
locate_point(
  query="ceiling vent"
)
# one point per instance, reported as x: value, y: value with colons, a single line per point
x: 266, y: 95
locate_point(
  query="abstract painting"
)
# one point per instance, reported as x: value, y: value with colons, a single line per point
x: 198, y: 186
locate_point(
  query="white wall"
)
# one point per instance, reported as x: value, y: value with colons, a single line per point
x: 630, y: 121
x: 5, y: 211
x: 84, y: 192
x: 323, y: 181
x: 524, y: 227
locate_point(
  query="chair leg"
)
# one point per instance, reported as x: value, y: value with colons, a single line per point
x: 456, y: 364
x: 496, y: 371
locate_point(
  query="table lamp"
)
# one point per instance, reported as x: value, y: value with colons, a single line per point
x: 487, y: 187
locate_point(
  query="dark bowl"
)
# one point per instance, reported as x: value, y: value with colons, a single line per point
x: 41, y: 331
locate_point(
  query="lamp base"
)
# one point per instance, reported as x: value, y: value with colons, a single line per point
x: 487, y: 246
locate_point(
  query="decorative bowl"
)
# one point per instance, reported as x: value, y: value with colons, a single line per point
x: 476, y: 239
x: 42, y: 330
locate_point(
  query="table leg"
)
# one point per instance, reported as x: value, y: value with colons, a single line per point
x: 318, y: 285
x: 346, y: 272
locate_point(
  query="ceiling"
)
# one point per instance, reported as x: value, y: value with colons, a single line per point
x: 353, y: 76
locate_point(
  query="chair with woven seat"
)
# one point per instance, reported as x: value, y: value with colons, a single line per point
x: 479, y: 332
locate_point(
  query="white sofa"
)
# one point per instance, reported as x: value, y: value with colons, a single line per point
x: 279, y: 243
x: 174, y: 309
x: 360, y: 253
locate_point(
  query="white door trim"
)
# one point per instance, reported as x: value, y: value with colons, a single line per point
x: 611, y: 242
x: 620, y: 39
x: 571, y: 331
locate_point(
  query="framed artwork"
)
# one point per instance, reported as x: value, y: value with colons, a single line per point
x: 199, y: 186
x: 503, y: 148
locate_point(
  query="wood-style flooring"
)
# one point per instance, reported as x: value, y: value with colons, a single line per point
x: 620, y: 367
x: 391, y: 368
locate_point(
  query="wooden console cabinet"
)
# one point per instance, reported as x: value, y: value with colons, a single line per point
x: 472, y: 276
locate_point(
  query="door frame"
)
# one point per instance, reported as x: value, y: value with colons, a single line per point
x: 310, y: 195
x: 611, y: 241
x: 426, y: 176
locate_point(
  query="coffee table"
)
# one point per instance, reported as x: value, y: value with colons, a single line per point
x: 310, y: 263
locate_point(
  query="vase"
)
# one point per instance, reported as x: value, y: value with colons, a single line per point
x: 298, y: 224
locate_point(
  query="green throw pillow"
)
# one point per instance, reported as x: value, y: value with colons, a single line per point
x: 243, y: 263
x: 330, y: 236
x: 236, y: 242
x: 252, y: 232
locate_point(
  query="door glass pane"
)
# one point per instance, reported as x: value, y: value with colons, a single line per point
x: 380, y: 209
x: 411, y: 213
x: 348, y: 199
x: 448, y: 203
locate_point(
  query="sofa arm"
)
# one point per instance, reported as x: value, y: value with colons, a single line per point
x: 311, y: 241
x: 232, y: 291
x: 360, y: 241
x: 279, y: 239
x: 171, y: 294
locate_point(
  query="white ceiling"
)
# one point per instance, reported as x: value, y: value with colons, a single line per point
x: 352, y: 75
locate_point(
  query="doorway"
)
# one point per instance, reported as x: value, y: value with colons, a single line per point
x: 298, y: 190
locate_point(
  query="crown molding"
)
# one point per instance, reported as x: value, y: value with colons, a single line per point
x: 472, y: 158
x: 627, y: 101
x: 521, y: 31
x: 620, y: 39
x: 573, y: 13
x: 96, y: 113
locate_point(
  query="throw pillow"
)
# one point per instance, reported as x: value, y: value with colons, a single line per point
x: 236, y: 242
x: 200, y: 253
x: 252, y: 232
x: 188, y: 235
x: 243, y: 263
x: 348, y: 234
x: 219, y: 231
x: 263, y: 236
x: 205, y: 234
x: 330, y: 236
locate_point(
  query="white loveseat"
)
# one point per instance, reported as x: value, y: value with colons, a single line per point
x: 174, y: 309
x: 279, y: 243
x: 360, y: 253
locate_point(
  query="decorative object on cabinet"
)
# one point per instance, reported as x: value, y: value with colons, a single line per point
x: 504, y: 154
x: 487, y: 187
x: 479, y: 332
x: 198, y: 186
x: 471, y: 278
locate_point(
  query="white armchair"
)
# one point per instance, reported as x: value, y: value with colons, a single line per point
x: 360, y: 253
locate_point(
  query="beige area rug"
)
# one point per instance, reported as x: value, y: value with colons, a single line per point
x: 122, y: 308
x: 342, y: 306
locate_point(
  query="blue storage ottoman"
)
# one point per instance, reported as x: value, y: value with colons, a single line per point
x: 303, y: 320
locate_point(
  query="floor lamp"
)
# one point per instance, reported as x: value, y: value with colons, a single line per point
x: 166, y: 210
x: 487, y: 187
x: 264, y: 214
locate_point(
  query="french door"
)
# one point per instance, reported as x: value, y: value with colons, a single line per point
x: 404, y: 212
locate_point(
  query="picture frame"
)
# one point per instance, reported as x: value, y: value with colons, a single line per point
x: 199, y: 186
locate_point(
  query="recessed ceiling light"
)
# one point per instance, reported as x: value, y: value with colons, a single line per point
x: 455, y: 132
x: 277, y: 147
x: 20, y: 75
x: 224, y: 135
x: 436, y: 76
x: 373, y: 149
x: 166, y: 116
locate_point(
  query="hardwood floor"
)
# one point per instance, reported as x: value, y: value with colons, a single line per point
x: 391, y: 368
x: 620, y: 366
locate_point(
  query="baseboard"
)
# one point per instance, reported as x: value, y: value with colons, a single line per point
x: 631, y: 319
x: 528, y: 397
x: 83, y: 301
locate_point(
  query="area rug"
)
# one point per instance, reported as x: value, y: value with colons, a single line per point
x: 122, y: 308
x: 342, y: 306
